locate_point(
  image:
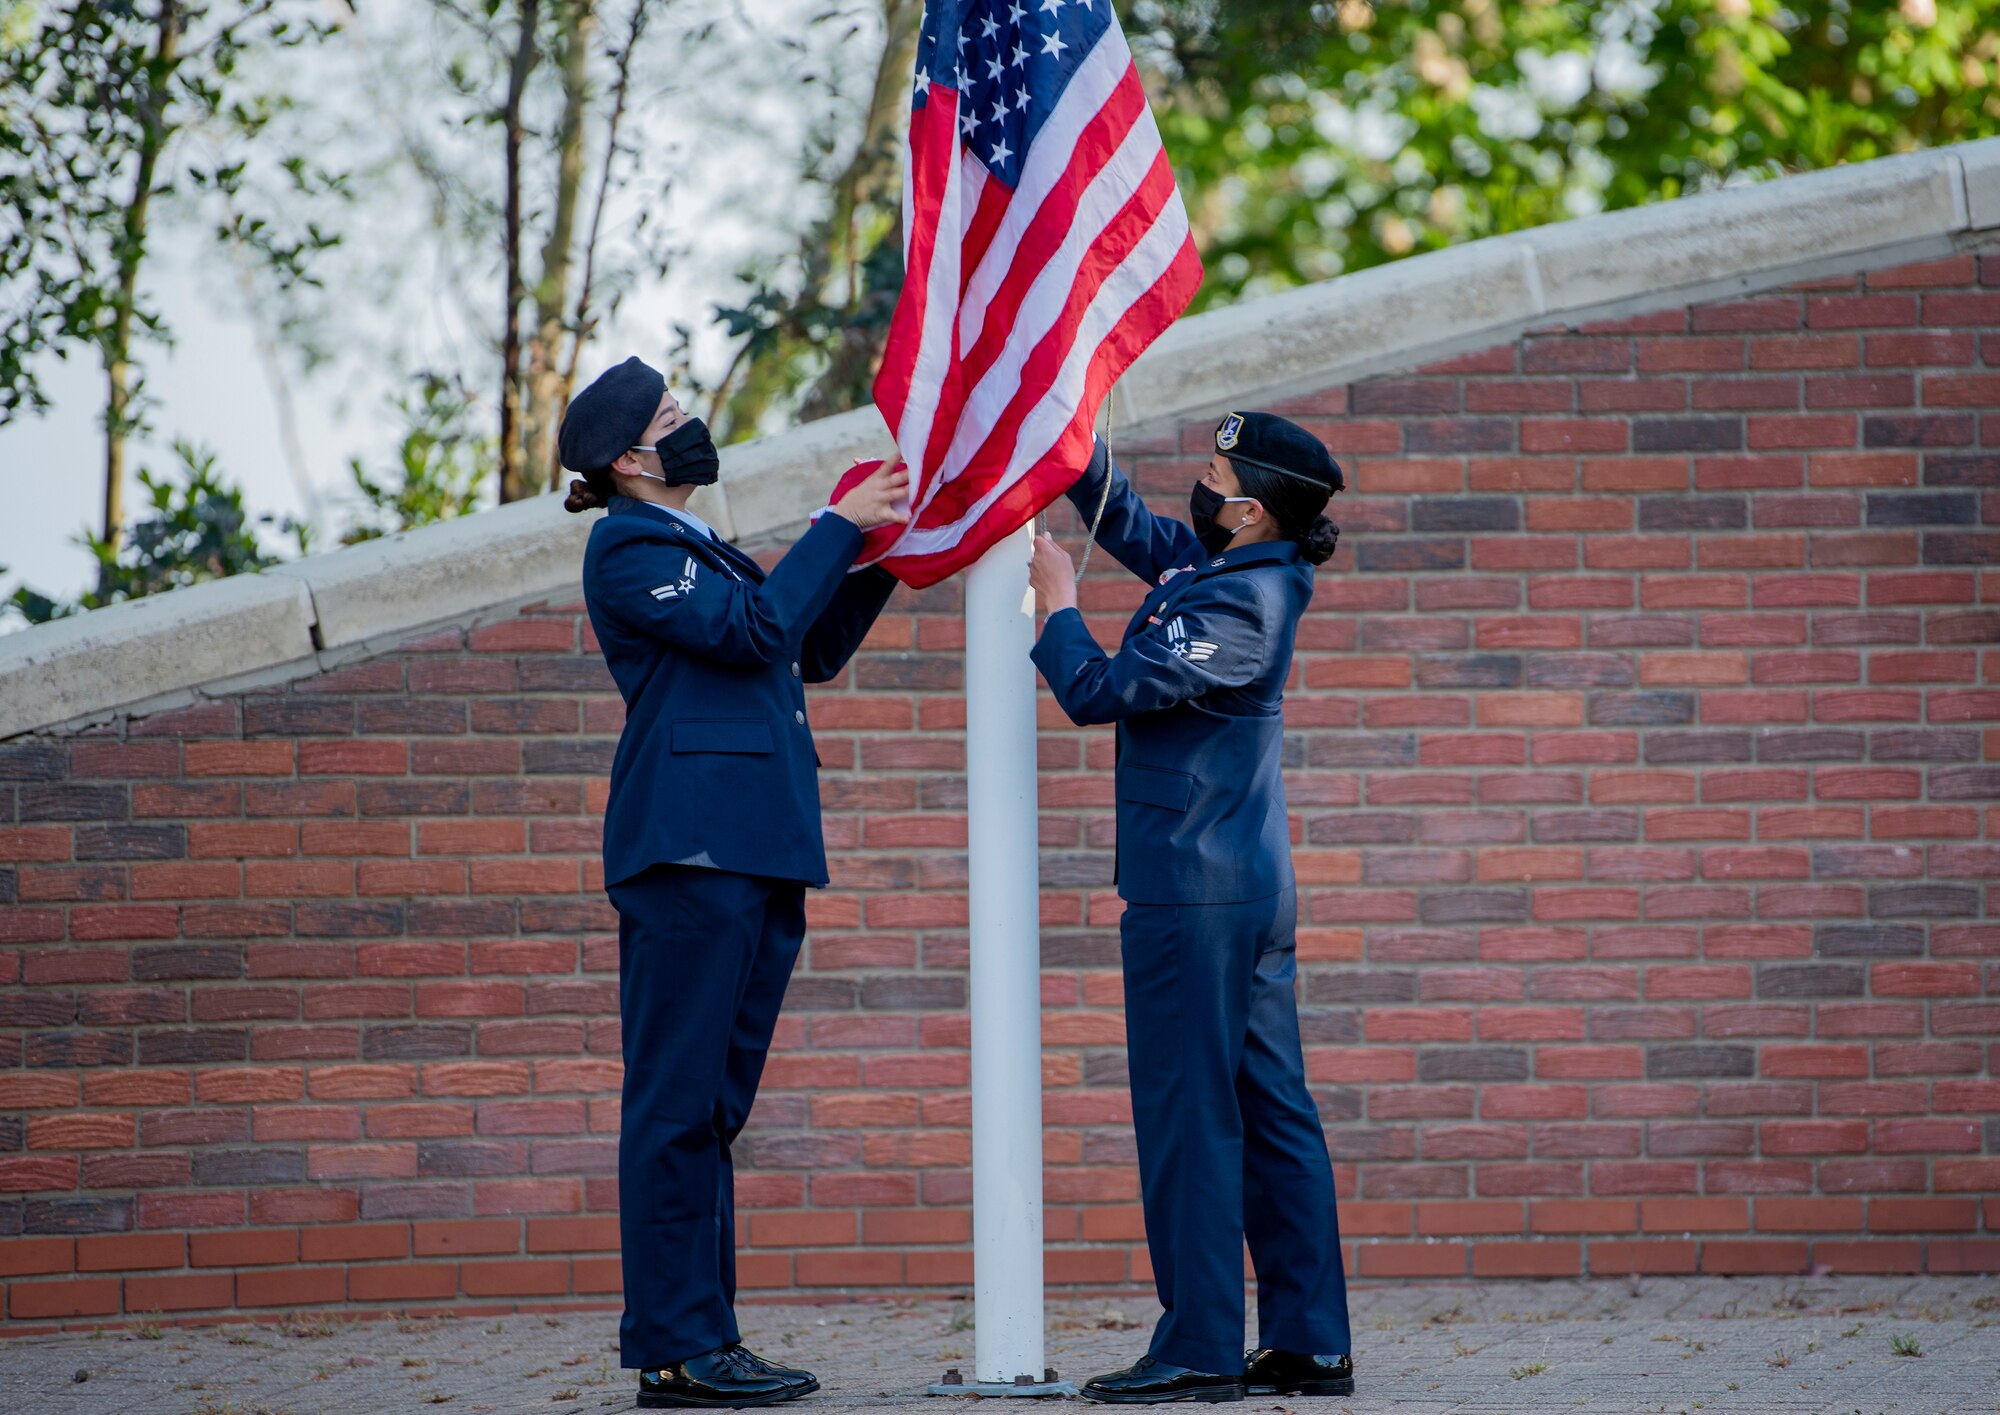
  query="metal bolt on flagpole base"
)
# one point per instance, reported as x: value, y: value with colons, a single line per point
x: 954, y: 1383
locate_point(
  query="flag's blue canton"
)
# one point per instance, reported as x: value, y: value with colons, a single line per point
x: 1009, y: 61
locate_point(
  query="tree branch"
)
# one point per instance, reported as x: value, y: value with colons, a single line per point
x: 581, y: 324
x: 525, y: 54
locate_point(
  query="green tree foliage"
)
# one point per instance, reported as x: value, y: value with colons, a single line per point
x: 1313, y: 137
x: 443, y: 464
x: 1332, y: 135
x: 194, y: 527
x: 536, y: 153
x: 808, y: 335
x: 105, y: 107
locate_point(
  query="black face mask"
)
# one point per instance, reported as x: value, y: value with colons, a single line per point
x: 1204, y: 502
x: 687, y: 455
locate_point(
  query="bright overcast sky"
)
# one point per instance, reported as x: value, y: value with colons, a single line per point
x: 212, y: 386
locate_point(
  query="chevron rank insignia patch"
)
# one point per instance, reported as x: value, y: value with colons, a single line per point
x: 678, y: 589
x: 1193, y: 650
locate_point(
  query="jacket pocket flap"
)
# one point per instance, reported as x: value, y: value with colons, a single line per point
x: 1155, y: 786
x: 747, y: 735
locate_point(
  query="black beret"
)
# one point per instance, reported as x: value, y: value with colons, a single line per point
x: 609, y: 416
x: 1275, y: 444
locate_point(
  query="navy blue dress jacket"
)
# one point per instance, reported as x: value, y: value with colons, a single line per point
x: 716, y: 765
x: 1196, y: 691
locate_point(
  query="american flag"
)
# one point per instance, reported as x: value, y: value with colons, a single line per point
x: 1044, y: 246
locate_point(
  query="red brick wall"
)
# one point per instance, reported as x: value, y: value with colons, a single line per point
x: 1643, y: 756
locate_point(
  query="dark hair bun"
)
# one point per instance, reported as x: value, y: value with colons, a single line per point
x: 584, y: 497
x: 1319, y: 540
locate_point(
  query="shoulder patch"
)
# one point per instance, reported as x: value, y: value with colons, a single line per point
x: 1193, y: 650
x: 677, y: 589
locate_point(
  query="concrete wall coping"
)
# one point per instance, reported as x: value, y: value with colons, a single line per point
x: 331, y: 608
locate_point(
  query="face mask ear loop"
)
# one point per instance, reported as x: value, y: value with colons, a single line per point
x: 647, y: 475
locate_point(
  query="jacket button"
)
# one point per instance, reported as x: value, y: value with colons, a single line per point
x: 799, y: 717
x: 795, y: 670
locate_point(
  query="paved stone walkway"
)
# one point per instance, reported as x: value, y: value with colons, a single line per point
x: 1743, y: 1346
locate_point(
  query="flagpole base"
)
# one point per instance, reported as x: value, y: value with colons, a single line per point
x: 1023, y: 1385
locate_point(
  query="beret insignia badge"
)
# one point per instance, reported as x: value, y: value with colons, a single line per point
x: 1227, y: 435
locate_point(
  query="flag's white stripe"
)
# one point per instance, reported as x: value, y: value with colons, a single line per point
x: 935, y: 355
x: 1049, y: 295
x: 968, y: 182
x: 1048, y: 163
x: 1140, y: 271
x: 973, y: 177
x: 1045, y: 422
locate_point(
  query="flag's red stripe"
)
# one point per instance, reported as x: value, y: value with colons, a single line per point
x: 1050, y: 227
x: 1139, y: 326
x: 935, y: 153
x: 942, y: 169
x: 933, y: 147
x: 1151, y: 313
x: 991, y: 209
x: 994, y: 199
x: 1039, y: 371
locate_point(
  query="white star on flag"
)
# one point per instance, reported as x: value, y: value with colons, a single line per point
x: 1052, y: 43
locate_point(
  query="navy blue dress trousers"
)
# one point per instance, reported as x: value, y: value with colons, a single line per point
x: 1230, y: 1143
x: 711, y: 838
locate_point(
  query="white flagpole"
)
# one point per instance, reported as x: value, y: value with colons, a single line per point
x: 1005, y: 887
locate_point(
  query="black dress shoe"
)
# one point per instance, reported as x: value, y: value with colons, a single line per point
x: 790, y: 1374
x: 727, y: 1378
x: 1153, y: 1382
x: 1268, y: 1372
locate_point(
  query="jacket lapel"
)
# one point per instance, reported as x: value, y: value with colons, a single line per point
x: 714, y: 550
x: 751, y: 570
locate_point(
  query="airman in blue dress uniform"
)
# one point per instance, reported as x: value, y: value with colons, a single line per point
x: 711, y: 837
x: 1230, y: 1144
